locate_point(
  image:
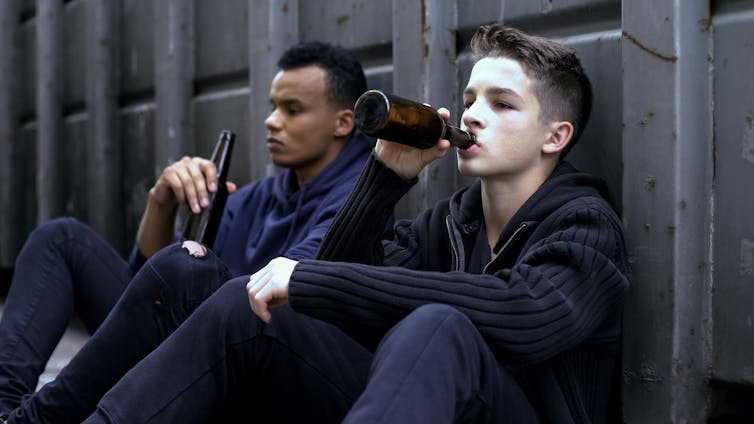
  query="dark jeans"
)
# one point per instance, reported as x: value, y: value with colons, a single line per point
x: 63, y: 264
x: 225, y: 365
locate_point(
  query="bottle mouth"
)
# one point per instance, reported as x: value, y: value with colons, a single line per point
x: 371, y: 111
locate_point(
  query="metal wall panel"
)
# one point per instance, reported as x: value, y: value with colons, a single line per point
x: 472, y: 13
x: 733, y: 314
x: 27, y: 7
x: 49, y: 106
x: 137, y: 128
x: 9, y: 168
x: 75, y: 182
x: 222, y: 34
x: 103, y: 147
x: 182, y: 70
x: 25, y: 204
x: 174, y: 63
x: 666, y: 203
x: 225, y: 110
x: 600, y: 150
x: 74, y: 23
x: 26, y: 94
x: 137, y: 50
x: 350, y: 23
x: 576, y: 15
x: 557, y: 16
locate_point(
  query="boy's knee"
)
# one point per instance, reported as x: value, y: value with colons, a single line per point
x: 437, y: 312
x: 57, y: 233
x: 176, y: 269
x: 170, y: 259
x: 439, y: 317
x: 176, y: 260
x: 194, y: 249
x: 58, y: 228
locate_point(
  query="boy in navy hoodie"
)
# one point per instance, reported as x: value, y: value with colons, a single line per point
x: 500, y: 304
x: 65, y: 267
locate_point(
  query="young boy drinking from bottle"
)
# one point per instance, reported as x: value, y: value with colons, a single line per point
x: 500, y: 304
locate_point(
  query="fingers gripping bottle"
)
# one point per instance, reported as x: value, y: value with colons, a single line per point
x: 202, y: 227
x: 393, y: 118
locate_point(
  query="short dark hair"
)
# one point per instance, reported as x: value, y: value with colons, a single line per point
x: 345, y: 77
x: 560, y: 83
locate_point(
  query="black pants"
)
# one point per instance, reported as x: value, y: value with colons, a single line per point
x: 432, y: 367
x: 65, y: 266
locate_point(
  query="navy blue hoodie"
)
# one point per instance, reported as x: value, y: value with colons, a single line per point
x: 272, y: 217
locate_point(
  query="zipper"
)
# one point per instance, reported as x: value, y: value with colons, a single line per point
x: 515, y: 234
x: 453, y: 243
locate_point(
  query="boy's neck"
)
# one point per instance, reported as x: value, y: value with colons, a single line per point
x: 502, y: 198
x: 305, y: 174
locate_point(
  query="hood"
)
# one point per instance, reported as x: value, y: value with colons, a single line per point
x: 563, y: 185
x: 286, y: 188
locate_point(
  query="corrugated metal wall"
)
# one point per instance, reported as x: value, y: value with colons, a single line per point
x: 96, y: 97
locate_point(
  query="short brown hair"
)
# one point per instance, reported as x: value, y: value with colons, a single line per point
x: 560, y: 83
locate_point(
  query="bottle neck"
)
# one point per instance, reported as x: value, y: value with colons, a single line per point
x: 458, y: 137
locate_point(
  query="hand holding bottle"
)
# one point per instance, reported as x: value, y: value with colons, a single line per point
x: 408, y: 161
x: 187, y: 182
x: 423, y: 133
x: 191, y: 181
x: 202, y: 227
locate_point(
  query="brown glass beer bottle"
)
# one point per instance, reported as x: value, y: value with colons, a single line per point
x: 393, y: 118
x: 202, y: 227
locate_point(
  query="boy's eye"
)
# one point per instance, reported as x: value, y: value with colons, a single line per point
x: 502, y: 105
x: 467, y: 104
x: 286, y: 109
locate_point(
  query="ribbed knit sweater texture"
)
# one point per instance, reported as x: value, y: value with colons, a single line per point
x: 549, y: 304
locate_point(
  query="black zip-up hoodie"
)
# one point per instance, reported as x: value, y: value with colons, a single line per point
x: 549, y: 304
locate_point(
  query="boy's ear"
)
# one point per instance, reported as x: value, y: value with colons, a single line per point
x: 343, y: 123
x: 560, y: 135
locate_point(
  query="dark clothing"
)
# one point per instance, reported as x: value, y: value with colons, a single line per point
x: 64, y: 267
x: 549, y: 304
x: 298, y: 369
x: 157, y: 300
x: 266, y: 219
x: 223, y: 351
x: 531, y: 335
x: 272, y: 217
x: 433, y: 366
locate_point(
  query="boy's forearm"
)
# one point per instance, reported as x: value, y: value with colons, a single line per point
x: 358, y: 228
x: 156, y: 227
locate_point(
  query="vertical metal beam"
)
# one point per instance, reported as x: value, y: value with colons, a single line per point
x: 104, y: 170
x: 409, y: 51
x: 409, y: 48
x: 273, y: 27
x: 9, y: 180
x: 425, y: 69
x: 49, y: 109
x: 441, y: 88
x: 667, y: 207
x: 174, y: 50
